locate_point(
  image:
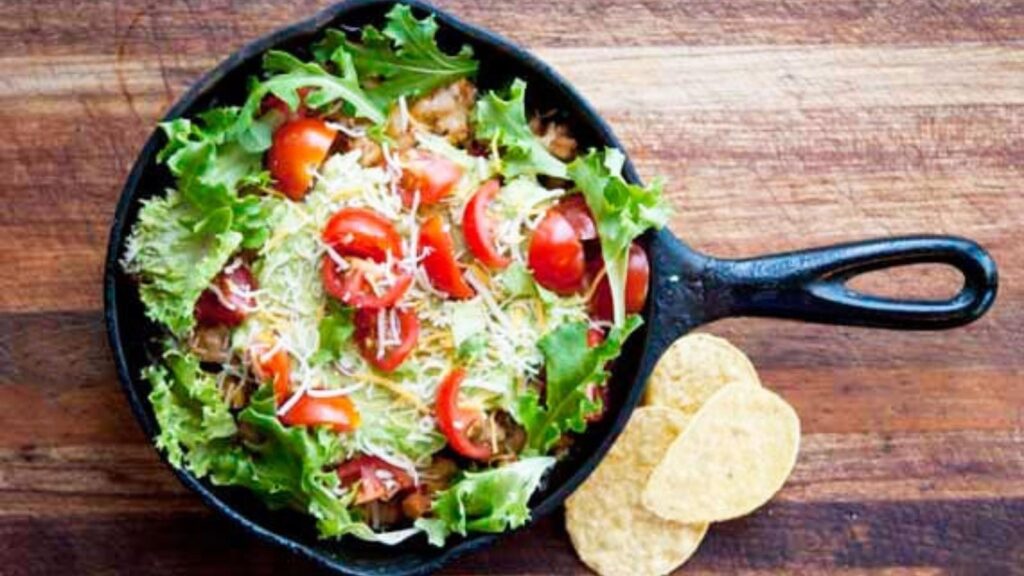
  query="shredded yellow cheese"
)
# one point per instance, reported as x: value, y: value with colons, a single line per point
x: 442, y: 339
x: 395, y: 389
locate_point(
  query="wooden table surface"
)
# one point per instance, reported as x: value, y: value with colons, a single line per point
x: 778, y: 124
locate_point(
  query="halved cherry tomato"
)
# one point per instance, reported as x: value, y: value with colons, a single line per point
x: 431, y: 175
x: 556, y: 254
x: 300, y: 146
x: 362, y: 233
x: 455, y: 421
x: 438, y: 251
x: 276, y: 366
x: 352, y: 287
x: 336, y: 411
x: 272, y: 102
x: 576, y: 211
x: 235, y: 300
x: 367, y: 338
x: 476, y: 226
x: 637, y: 281
x: 378, y: 480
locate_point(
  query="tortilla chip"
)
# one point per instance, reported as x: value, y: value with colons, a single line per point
x: 693, y: 369
x: 733, y: 457
x: 611, y: 530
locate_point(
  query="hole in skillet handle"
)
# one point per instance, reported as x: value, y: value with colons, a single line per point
x: 812, y: 285
x: 913, y: 281
x: 133, y: 339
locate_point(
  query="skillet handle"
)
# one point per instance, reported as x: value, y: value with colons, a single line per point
x: 810, y: 284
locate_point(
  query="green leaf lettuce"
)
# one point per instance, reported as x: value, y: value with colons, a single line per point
x: 571, y: 366
x: 622, y: 212
x: 285, y: 466
x: 174, y: 263
x: 489, y: 501
x: 403, y: 59
x: 503, y: 121
x: 286, y: 75
x: 183, y: 239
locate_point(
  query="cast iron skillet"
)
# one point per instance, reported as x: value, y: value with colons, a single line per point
x: 687, y: 289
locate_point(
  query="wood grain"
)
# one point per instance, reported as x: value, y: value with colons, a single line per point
x: 778, y: 125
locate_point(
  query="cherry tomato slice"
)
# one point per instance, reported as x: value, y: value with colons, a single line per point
x: 556, y: 254
x: 336, y: 411
x: 576, y: 211
x: 438, y: 251
x: 637, y: 281
x: 276, y: 366
x: 477, y: 226
x: 454, y: 421
x: 352, y: 288
x: 299, y: 147
x: 234, y: 301
x: 368, y: 338
x: 431, y: 175
x: 362, y: 233
x: 378, y: 480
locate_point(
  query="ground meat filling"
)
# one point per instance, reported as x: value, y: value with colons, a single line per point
x: 211, y: 344
x: 556, y: 138
x: 447, y: 111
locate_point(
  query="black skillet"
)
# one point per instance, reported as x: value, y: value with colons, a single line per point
x: 687, y: 289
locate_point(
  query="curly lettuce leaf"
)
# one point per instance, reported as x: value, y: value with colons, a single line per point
x: 210, y: 167
x: 288, y: 466
x: 490, y: 501
x: 403, y: 59
x: 285, y: 466
x: 571, y: 367
x: 622, y: 212
x: 503, y: 122
x: 182, y: 240
x: 189, y: 409
x: 175, y: 258
x: 286, y: 76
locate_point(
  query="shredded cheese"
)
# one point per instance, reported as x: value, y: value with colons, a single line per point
x: 403, y: 115
x: 395, y: 389
x: 291, y: 402
x: 397, y: 408
x: 346, y: 130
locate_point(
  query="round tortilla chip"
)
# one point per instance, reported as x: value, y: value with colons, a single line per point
x: 733, y: 457
x: 611, y: 530
x: 693, y: 369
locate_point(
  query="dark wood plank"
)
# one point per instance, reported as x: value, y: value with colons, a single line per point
x: 964, y: 537
x: 103, y: 479
x: 57, y: 382
x: 219, y: 26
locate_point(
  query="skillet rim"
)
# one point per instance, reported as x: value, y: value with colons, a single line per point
x: 130, y: 196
